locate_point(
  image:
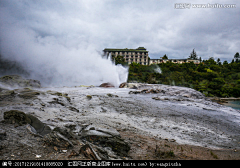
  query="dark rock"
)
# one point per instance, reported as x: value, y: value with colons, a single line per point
x: 106, y: 137
x: 73, y: 109
x: 57, y: 101
x: 3, y: 134
x: 56, y: 139
x: 135, y: 92
x: 66, y: 132
x: 59, y: 94
x: 122, y: 85
x: 106, y: 85
x: 40, y: 127
x: 129, y: 85
x: 118, y: 145
x: 92, y: 130
x: 156, y: 98
x: 89, y: 97
x: 18, y: 81
x: 28, y: 94
x: 7, y: 94
x: 16, y: 117
x: 111, y: 95
x: 19, y: 118
x: 147, y: 91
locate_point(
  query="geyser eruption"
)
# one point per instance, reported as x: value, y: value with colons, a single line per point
x: 55, y: 55
x: 54, y: 64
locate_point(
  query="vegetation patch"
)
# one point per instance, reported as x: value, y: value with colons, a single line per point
x: 210, y: 77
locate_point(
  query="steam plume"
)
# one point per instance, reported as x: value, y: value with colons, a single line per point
x: 53, y: 58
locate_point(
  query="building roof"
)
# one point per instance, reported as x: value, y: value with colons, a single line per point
x: 139, y: 49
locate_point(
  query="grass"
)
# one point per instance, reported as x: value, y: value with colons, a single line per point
x: 163, y: 154
x: 213, y: 155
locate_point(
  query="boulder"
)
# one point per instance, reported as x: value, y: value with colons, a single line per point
x: 106, y: 85
x: 122, y: 85
x: 107, y: 138
x: 19, y: 118
x: 18, y: 81
x: 16, y: 117
x: 129, y: 85
x: 40, y: 127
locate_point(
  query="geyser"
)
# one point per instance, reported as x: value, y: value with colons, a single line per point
x: 54, y: 64
x: 55, y: 55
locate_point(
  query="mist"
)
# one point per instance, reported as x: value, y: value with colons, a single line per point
x: 48, y: 60
x: 56, y: 59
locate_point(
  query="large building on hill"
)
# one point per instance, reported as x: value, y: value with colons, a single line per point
x: 139, y: 55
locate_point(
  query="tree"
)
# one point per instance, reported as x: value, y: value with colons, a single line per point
x: 218, y: 61
x: 119, y: 60
x: 225, y: 63
x: 236, y: 56
x: 165, y: 57
x: 193, y: 55
x: 210, y: 61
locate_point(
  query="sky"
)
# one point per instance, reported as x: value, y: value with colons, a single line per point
x: 61, y: 31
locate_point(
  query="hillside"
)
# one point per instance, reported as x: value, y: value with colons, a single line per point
x: 210, y: 77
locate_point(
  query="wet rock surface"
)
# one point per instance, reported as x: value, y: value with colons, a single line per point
x: 19, y: 118
x: 106, y: 85
x: 18, y: 81
x: 116, y: 123
x: 164, y: 90
x: 2, y: 134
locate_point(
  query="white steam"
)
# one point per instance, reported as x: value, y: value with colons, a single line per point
x: 56, y: 60
x: 158, y: 69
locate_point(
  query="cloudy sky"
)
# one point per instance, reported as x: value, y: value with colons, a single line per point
x: 154, y: 24
x: 35, y: 29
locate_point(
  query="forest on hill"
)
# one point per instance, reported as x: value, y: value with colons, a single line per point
x: 212, y: 78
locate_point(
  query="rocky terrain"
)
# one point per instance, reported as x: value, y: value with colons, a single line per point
x: 136, y: 121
